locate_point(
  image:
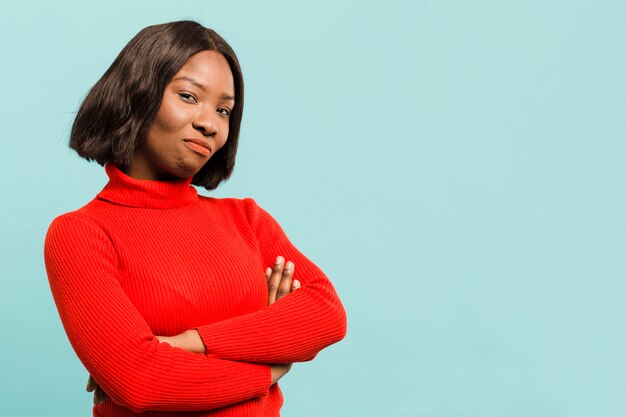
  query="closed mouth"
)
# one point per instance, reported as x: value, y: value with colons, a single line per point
x: 199, y: 142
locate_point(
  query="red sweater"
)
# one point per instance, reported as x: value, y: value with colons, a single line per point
x: 147, y: 258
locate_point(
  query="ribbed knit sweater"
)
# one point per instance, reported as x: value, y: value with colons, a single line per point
x: 146, y: 258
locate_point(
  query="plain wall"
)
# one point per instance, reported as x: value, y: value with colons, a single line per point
x: 455, y: 167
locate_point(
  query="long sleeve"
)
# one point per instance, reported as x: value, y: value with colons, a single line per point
x: 116, y: 345
x: 294, y: 328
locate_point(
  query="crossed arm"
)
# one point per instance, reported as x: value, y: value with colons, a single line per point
x: 280, y: 283
x: 131, y: 364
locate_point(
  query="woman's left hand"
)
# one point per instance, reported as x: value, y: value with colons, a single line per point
x: 188, y: 340
x: 98, y: 393
x: 280, y: 283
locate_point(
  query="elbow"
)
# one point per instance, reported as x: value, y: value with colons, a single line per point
x: 340, y: 324
x: 336, y: 324
x: 334, y: 331
x: 132, y: 395
x: 336, y: 321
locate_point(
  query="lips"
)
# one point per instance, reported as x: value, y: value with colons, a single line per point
x: 198, y: 146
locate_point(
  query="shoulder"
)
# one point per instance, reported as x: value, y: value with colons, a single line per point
x: 73, y: 242
x: 75, y: 225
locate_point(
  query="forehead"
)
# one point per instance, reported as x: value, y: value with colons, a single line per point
x: 210, y: 69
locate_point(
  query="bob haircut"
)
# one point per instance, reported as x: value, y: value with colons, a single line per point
x: 114, y: 118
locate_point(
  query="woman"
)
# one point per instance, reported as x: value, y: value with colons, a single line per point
x: 175, y: 302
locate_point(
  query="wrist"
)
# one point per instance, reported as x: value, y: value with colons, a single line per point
x: 192, y: 341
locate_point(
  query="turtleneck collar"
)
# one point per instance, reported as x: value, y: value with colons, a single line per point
x: 129, y: 191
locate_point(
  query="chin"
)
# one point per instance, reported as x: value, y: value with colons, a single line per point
x: 187, y: 170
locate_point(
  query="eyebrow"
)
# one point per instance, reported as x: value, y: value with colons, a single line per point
x: 203, y: 87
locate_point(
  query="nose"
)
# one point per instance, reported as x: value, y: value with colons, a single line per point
x: 205, y: 123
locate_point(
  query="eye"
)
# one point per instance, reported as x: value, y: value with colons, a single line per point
x: 188, y: 97
x: 224, y: 111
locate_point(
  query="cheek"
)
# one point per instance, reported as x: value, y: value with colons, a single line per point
x: 224, y: 131
x: 170, y: 120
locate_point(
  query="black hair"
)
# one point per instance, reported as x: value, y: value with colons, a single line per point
x: 117, y: 112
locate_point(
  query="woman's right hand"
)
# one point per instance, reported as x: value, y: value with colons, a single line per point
x: 280, y: 280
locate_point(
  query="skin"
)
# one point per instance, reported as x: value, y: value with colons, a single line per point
x: 196, y: 105
x: 280, y: 283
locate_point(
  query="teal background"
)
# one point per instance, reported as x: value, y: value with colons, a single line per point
x: 457, y: 169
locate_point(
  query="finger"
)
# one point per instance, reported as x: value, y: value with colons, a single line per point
x: 268, y: 274
x: 91, y: 384
x: 274, y: 281
x: 295, y: 285
x: 99, y: 395
x: 284, y: 287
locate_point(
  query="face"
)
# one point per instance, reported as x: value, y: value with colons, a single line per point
x: 192, y: 122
